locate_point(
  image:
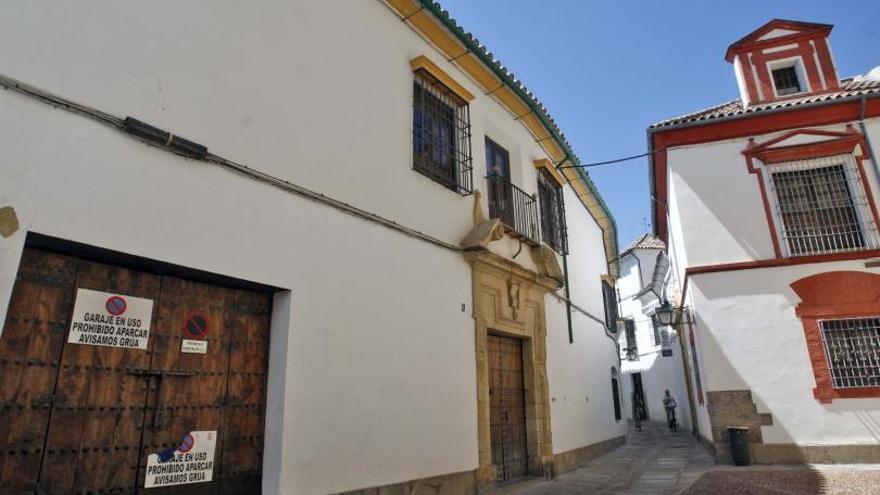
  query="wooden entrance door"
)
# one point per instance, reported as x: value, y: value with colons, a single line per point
x: 83, y: 419
x: 507, y: 414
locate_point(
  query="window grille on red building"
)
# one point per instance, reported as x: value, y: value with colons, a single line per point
x: 821, y: 206
x: 852, y: 348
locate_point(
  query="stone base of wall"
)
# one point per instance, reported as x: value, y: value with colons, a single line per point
x: 464, y: 483
x: 787, y: 453
x: 734, y: 408
x: 566, y: 461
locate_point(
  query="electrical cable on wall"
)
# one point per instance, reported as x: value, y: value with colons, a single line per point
x: 173, y: 143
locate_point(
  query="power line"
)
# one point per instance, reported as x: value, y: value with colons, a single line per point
x: 609, y: 162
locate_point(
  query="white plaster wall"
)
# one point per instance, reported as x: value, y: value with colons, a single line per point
x: 658, y: 373
x: 716, y: 210
x: 379, y: 372
x: 753, y: 340
x: 579, y: 373
x: 374, y: 380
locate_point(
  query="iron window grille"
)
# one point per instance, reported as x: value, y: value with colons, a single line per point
x: 441, y: 134
x: 553, y: 230
x: 852, y: 351
x: 609, y: 297
x: 517, y: 210
x: 786, y: 81
x: 632, y: 346
x: 821, y: 206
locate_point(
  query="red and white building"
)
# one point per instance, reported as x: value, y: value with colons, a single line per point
x: 768, y: 204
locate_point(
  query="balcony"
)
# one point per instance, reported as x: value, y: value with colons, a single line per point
x: 516, y: 209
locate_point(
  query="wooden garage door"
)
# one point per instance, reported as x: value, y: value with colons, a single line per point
x: 80, y: 418
x: 507, y: 416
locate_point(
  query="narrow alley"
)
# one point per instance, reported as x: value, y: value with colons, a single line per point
x: 654, y: 461
x: 658, y: 462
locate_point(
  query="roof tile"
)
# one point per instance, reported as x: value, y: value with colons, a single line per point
x: 849, y: 88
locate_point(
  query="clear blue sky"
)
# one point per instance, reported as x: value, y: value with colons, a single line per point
x: 606, y: 70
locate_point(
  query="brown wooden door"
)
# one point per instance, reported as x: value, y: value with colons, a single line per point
x: 30, y: 353
x: 507, y: 416
x: 94, y: 429
x: 83, y: 418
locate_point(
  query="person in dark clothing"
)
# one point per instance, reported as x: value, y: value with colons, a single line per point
x: 670, y: 405
x: 638, y: 411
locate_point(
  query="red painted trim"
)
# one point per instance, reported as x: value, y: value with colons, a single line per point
x: 803, y: 50
x: 751, y: 41
x: 777, y: 262
x: 745, y: 63
x: 842, y: 142
x: 810, y: 66
x: 765, y: 200
x: 824, y: 54
x: 834, y: 295
x: 768, y: 93
x: 742, y: 127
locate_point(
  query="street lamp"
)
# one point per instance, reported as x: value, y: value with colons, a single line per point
x: 664, y: 314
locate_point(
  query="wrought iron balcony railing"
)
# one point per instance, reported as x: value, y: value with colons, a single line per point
x: 517, y: 210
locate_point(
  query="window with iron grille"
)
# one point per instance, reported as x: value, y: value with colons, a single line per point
x: 821, y: 206
x: 852, y: 349
x: 786, y: 81
x: 609, y: 296
x: 441, y: 134
x: 632, y: 347
x: 552, y: 212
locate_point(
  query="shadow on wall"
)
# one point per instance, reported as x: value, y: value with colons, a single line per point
x: 737, y: 296
x: 709, y: 186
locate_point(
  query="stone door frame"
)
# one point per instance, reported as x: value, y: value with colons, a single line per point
x: 509, y: 301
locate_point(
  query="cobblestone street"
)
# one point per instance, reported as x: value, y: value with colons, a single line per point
x: 657, y: 462
x: 653, y: 461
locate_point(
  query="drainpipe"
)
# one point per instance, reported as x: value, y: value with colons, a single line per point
x: 567, y: 294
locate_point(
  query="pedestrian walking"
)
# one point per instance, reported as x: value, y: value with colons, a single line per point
x: 638, y: 411
x: 670, y: 405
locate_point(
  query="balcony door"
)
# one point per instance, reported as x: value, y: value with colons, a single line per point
x: 500, y: 187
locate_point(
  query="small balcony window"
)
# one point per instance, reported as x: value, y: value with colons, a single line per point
x: 441, y: 134
x: 552, y: 212
x: 515, y: 207
x: 821, y: 206
x: 786, y: 81
x: 852, y: 348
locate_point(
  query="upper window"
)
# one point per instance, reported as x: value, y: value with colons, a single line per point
x: 852, y: 348
x: 609, y: 296
x: 786, y: 81
x: 441, y: 134
x: 552, y: 212
x: 821, y: 206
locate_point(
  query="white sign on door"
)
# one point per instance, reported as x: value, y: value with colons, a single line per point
x: 190, y: 461
x: 113, y: 320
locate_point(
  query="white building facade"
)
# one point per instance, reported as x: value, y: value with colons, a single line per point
x: 650, y: 353
x: 366, y: 269
x: 768, y: 205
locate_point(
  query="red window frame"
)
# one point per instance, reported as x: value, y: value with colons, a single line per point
x: 834, y: 296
